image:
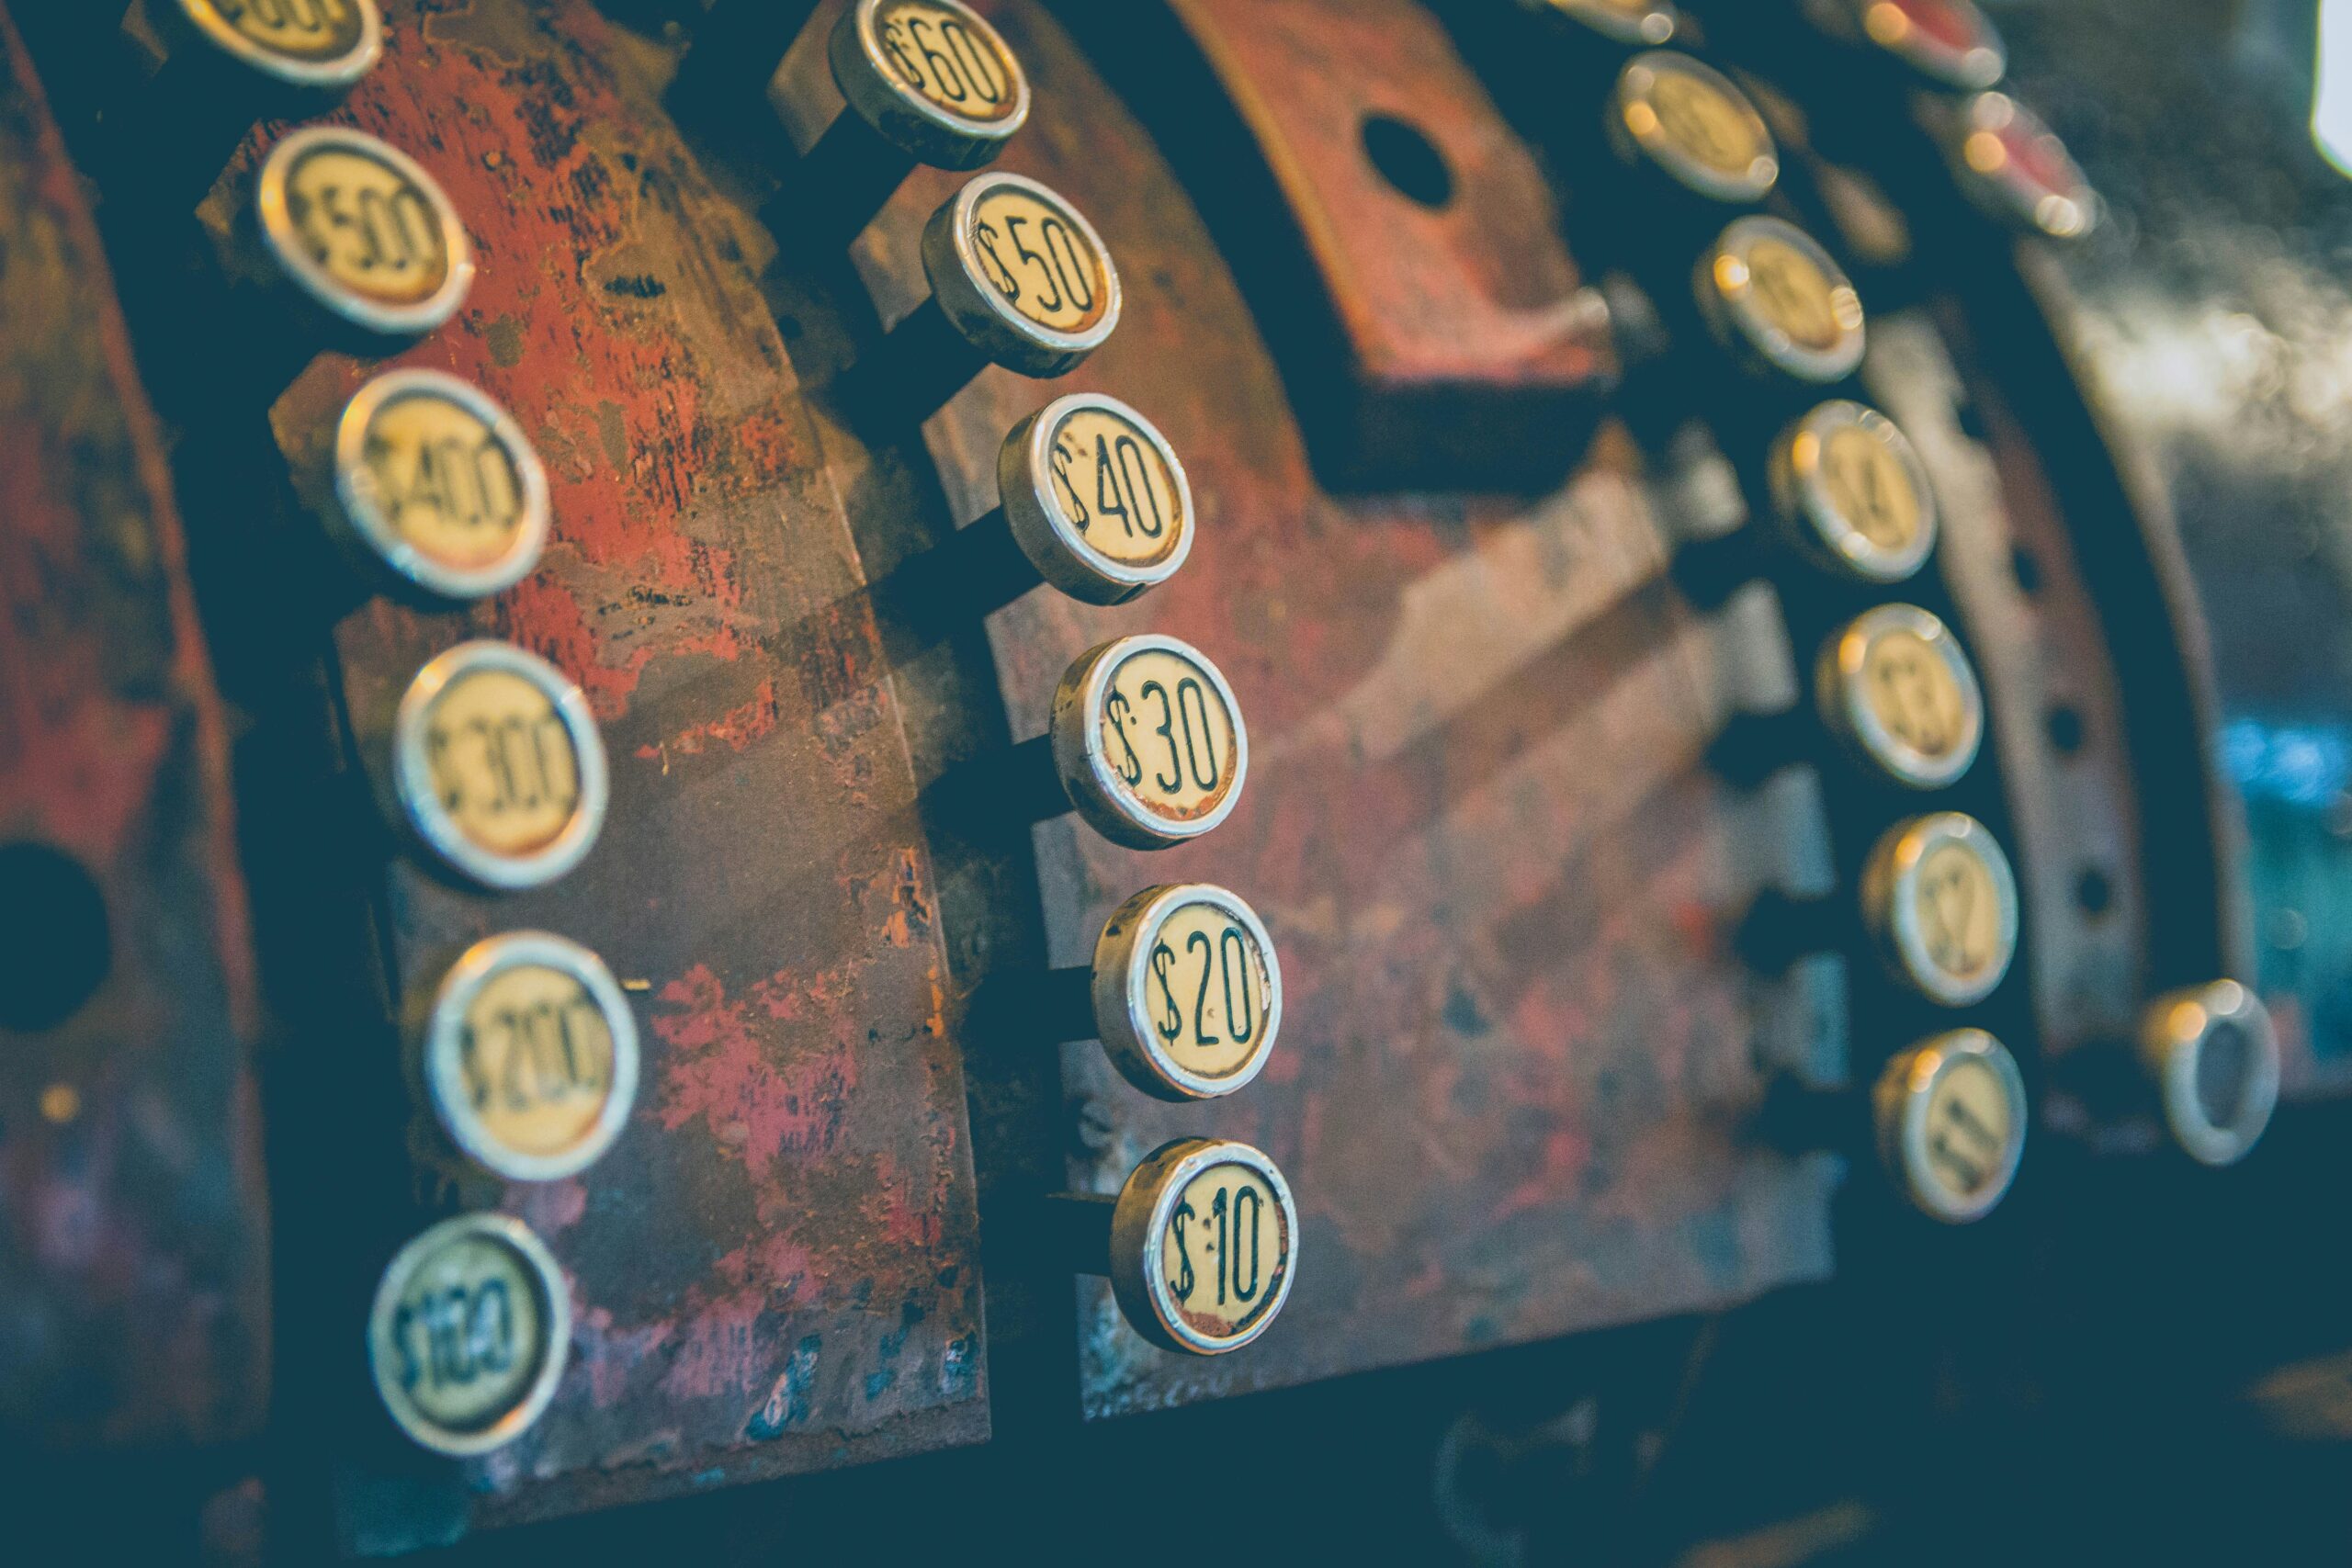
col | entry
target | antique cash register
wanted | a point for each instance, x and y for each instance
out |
(1492, 780)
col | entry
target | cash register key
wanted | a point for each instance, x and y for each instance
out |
(363, 230)
(923, 82)
(932, 78)
(1947, 43)
(1690, 121)
(320, 45)
(1650, 22)
(2213, 1052)
(1018, 279)
(1204, 1245)
(1941, 904)
(2015, 168)
(1187, 992)
(1894, 686)
(497, 767)
(470, 1332)
(436, 484)
(1148, 741)
(1852, 495)
(1951, 1115)
(530, 1057)
(1023, 278)
(1773, 296)
(1096, 499)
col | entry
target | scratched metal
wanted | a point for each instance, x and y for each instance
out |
(1518, 1056)
(1440, 340)
(774, 1269)
(134, 1263)
(2210, 313)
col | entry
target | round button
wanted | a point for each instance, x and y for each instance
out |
(2015, 167)
(1941, 904)
(364, 230)
(498, 765)
(530, 1057)
(1204, 1239)
(470, 1332)
(1853, 494)
(1096, 499)
(1769, 289)
(931, 77)
(326, 44)
(1020, 274)
(1148, 741)
(1952, 43)
(1897, 687)
(1188, 997)
(2214, 1054)
(1951, 1122)
(440, 484)
(1688, 119)
(1624, 21)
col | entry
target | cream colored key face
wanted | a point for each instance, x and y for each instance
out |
(1968, 1125)
(1941, 903)
(1115, 483)
(531, 1056)
(1188, 995)
(1771, 287)
(314, 44)
(1047, 268)
(1626, 21)
(440, 484)
(1689, 120)
(1148, 741)
(499, 766)
(1224, 1249)
(945, 55)
(1854, 494)
(1020, 274)
(931, 77)
(1896, 686)
(1951, 1115)
(1096, 499)
(364, 229)
(469, 1334)
(1204, 1240)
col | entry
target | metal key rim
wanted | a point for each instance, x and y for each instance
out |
(362, 507)
(444, 1072)
(1122, 999)
(928, 132)
(332, 75)
(555, 1317)
(276, 216)
(1062, 555)
(419, 800)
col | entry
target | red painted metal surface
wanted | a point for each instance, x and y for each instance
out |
(774, 1269)
(134, 1223)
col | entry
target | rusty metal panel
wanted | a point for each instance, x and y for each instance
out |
(1396, 240)
(774, 1269)
(1518, 1051)
(134, 1234)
